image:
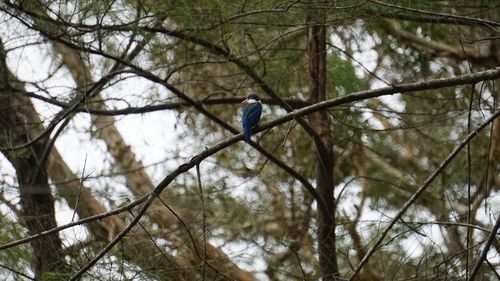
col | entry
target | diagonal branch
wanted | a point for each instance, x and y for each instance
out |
(419, 192)
(485, 250)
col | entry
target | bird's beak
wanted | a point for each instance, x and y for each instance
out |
(245, 101)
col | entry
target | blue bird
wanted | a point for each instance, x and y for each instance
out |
(251, 115)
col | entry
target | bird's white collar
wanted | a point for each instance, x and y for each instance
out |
(252, 101)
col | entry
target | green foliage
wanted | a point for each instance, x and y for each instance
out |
(18, 258)
(343, 79)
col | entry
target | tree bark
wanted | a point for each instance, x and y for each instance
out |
(36, 199)
(320, 122)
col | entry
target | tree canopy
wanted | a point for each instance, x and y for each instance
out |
(376, 157)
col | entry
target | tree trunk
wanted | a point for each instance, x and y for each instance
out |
(36, 200)
(320, 122)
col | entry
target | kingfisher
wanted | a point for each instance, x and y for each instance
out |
(251, 115)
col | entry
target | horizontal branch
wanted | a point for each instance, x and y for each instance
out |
(466, 79)
(295, 103)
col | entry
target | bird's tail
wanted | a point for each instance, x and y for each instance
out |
(247, 132)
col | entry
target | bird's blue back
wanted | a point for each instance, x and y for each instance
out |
(250, 117)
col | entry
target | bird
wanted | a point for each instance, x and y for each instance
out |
(251, 115)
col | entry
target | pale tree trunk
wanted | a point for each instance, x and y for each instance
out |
(320, 122)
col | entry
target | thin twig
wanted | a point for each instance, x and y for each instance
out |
(151, 238)
(287, 133)
(79, 189)
(361, 64)
(304, 274)
(204, 223)
(17, 272)
(487, 186)
(493, 269)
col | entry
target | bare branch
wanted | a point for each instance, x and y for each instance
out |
(204, 222)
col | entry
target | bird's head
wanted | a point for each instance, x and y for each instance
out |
(252, 98)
